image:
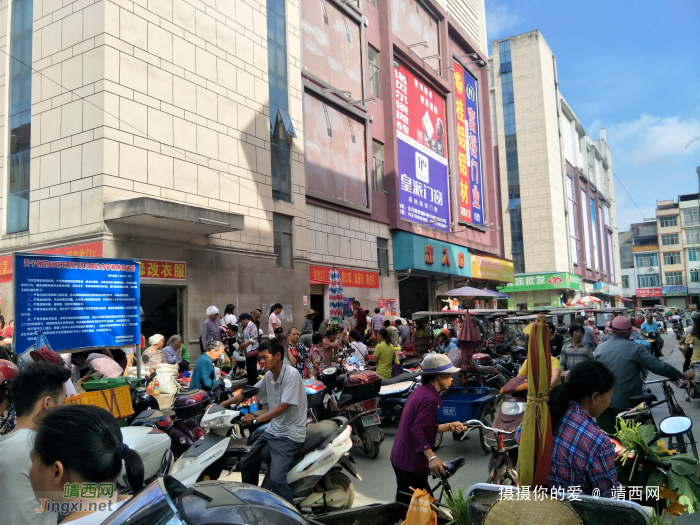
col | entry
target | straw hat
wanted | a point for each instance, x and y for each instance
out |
(311, 312)
(526, 512)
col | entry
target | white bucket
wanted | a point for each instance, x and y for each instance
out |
(167, 376)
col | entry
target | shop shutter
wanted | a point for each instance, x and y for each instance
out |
(317, 289)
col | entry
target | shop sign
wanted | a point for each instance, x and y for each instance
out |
(511, 304)
(554, 299)
(491, 268)
(163, 270)
(602, 287)
(349, 278)
(471, 198)
(421, 253)
(649, 292)
(422, 156)
(674, 290)
(543, 281)
(387, 306)
(495, 303)
(530, 303)
(90, 249)
(347, 306)
(76, 302)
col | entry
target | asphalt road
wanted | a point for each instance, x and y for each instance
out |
(378, 483)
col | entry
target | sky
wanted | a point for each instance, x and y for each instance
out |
(633, 68)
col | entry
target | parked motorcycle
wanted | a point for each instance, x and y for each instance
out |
(393, 395)
(509, 418)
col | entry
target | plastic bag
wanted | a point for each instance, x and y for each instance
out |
(420, 512)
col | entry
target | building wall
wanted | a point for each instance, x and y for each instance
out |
(176, 107)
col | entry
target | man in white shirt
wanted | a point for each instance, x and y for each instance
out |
(35, 390)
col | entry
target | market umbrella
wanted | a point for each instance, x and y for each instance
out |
(536, 436)
(585, 300)
(469, 291)
(335, 292)
(467, 337)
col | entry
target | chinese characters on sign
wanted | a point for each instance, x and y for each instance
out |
(90, 249)
(491, 268)
(76, 302)
(420, 112)
(573, 493)
(544, 281)
(162, 270)
(350, 278)
(649, 292)
(471, 198)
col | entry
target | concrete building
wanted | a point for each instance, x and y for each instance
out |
(560, 223)
(145, 132)
(647, 270)
(671, 254)
(470, 15)
(689, 205)
(380, 134)
(627, 275)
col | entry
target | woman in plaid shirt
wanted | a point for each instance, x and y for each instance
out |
(582, 455)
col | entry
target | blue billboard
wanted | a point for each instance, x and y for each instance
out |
(76, 302)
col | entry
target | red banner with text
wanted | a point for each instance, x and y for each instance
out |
(90, 249)
(349, 278)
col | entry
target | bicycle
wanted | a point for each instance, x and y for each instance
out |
(502, 470)
(642, 413)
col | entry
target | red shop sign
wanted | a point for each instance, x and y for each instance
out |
(649, 292)
(349, 278)
(90, 249)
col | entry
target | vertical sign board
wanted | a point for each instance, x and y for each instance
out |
(470, 180)
(77, 302)
(421, 149)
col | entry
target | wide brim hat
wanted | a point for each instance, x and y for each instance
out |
(311, 312)
(621, 325)
(438, 364)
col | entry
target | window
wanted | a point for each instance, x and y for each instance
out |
(282, 228)
(280, 148)
(692, 236)
(672, 258)
(383, 256)
(643, 260)
(572, 218)
(667, 222)
(648, 280)
(695, 276)
(586, 230)
(673, 278)
(378, 165)
(693, 254)
(20, 115)
(668, 239)
(691, 217)
(625, 281)
(374, 85)
(612, 257)
(372, 2)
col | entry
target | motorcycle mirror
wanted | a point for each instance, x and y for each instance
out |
(675, 425)
(165, 463)
(145, 359)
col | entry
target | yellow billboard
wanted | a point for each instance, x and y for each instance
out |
(491, 268)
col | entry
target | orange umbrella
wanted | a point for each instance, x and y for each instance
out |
(536, 436)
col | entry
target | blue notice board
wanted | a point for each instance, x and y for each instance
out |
(77, 302)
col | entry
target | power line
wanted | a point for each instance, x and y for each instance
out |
(628, 194)
(172, 148)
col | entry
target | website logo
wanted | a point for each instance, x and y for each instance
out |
(422, 171)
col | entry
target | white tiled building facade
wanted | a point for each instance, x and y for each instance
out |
(167, 99)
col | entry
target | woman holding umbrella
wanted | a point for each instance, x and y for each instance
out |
(411, 455)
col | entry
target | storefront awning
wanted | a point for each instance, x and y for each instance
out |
(468, 291)
(147, 212)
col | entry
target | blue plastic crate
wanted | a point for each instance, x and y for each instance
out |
(460, 404)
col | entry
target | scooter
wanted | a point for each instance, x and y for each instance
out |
(393, 395)
(692, 387)
(508, 419)
(656, 342)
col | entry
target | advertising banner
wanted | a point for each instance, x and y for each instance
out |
(511, 304)
(421, 151)
(387, 306)
(649, 292)
(76, 302)
(543, 281)
(347, 306)
(675, 290)
(471, 198)
(349, 278)
(491, 268)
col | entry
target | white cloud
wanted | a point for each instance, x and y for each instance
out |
(499, 18)
(650, 138)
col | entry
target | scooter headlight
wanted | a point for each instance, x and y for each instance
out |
(213, 422)
(512, 408)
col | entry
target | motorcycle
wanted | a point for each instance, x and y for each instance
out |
(655, 342)
(508, 419)
(393, 395)
(692, 386)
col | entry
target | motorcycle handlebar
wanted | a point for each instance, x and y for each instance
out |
(652, 462)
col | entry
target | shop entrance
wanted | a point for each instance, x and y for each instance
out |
(162, 307)
(413, 296)
(317, 305)
(650, 302)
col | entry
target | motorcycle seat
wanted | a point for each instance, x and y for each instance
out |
(406, 376)
(316, 433)
(643, 398)
(345, 399)
(147, 418)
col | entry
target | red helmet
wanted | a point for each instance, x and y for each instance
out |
(8, 370)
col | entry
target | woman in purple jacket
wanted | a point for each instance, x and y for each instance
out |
(412, 456)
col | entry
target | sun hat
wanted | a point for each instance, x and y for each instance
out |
(311, 312)
(621, 325)
(49, 356)
(155, 339)
(438, 364)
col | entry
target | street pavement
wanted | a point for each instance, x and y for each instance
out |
(378, 483)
